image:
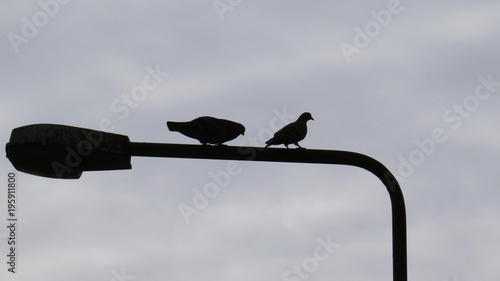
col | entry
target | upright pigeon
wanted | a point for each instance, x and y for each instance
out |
(208, 130)
(292, 133)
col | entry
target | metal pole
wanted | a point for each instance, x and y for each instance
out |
(315, 156)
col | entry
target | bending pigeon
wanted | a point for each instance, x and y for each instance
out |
(208, 130)
(292, 133)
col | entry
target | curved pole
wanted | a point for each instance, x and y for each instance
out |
(300, 156)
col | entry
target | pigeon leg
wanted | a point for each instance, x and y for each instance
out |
(298, 146)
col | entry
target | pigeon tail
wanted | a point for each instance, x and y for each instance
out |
(269, 142)
(174, 126)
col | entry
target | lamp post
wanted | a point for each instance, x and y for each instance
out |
(60, 151)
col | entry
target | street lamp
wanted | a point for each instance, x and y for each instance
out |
(60, 151)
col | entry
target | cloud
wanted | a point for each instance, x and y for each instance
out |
(264, 56)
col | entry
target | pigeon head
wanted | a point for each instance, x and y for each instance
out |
(240, 129)
(235, 129)
(304, 117)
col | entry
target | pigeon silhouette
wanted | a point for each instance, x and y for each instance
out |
(208, 130)
(292, 133)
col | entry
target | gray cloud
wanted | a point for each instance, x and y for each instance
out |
(263, 57)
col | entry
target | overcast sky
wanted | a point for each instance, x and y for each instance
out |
(414, 84)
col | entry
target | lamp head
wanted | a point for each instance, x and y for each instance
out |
(59, 151)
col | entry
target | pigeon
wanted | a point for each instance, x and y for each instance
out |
(291, 133)
(208, 130)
